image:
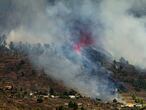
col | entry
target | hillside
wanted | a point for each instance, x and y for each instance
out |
(24, 88)
(130, 80)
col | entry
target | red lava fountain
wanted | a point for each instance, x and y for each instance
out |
(85, 40)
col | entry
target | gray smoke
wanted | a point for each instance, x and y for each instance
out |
(125, 33)
(59, 24)
(116, 26)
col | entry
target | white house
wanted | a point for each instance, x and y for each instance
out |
(72, 96)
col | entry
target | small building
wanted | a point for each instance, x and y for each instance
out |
(80, 104)
(31, 94)
(7, 86)
(46, 96)
(52, 96)
(72, 96)
(139, 105)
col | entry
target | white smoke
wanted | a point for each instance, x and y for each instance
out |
(117, 26)
(125, 33)
(58, 24)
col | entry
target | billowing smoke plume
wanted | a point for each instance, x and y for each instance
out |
(80, 33)
(125, 33)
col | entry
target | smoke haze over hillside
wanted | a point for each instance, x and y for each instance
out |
(113, 27)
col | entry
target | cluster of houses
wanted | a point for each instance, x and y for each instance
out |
(10, 87)
(130, 102)
(33, 94)
(48, 94)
